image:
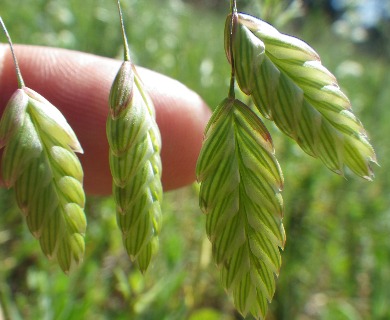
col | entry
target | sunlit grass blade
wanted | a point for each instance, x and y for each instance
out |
(290, 86)
(240, 190)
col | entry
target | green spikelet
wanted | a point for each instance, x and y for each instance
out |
(136, 169)
(39, 161)
(290, 86)
(240, 193)
(135, 163)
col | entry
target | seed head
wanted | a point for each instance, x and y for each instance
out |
(39, 162)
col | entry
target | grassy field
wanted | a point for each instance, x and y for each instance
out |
(337, 256)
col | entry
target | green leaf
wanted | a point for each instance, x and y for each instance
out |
(240, 190)
(135, 165)
(290, 86)
(39, 161)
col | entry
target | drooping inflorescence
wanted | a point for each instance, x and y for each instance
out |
(289, 85)
(240, 190)
(40, 163)
(240, 178)
(135, 163)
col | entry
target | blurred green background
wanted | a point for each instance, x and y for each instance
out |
(336, 264)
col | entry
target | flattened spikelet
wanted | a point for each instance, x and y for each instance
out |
(39, 162)
(240, 190)
(290, 86)
(135, 165)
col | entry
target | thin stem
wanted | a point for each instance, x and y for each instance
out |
(125, 43)
(4, 307)
(233, 8)
(18, 73)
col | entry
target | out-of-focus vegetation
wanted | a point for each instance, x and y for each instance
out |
(336, 264)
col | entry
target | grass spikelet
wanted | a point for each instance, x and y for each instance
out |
(289, 85)
(240, 190)
(40, 164)
(135, 162)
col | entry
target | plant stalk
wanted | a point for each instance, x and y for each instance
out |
(125, 43)
(233, 9)
(4, 307)
(18, 73)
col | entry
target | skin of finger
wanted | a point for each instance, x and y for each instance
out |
(78, 84)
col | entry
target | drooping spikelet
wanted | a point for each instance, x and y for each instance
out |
(240, 190)
(135, 164)
(39, 162)
(289, 85)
